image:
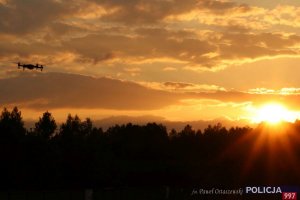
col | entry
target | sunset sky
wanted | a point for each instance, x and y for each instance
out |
(174, 59)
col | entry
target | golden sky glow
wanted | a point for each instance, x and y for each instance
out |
(180, 60)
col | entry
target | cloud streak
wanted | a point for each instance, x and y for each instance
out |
(58, 90)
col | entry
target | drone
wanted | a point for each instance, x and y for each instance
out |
(30, 66)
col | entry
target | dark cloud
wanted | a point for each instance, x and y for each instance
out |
(19, 17)
(183, 45)
(22, 17)
(150, 43)
(97, 47)
(142, 11)
(153, 43)
(54, 28)
(178, 85)
(223, 7)
(10, 48)
(58, 29)
(267, 40)
(234, 46)
(57, 90)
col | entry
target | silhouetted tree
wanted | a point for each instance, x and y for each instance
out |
(46, 126)
(71, 127)
(11, 124)
(217, 129)
(187, 131)
(87, 127)
(198, 133)
(173, 133)
(81, 155)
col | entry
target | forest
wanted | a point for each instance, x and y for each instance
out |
(77, 154)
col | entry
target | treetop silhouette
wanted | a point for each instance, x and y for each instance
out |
(77, 154)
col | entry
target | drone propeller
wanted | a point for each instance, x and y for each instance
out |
(18, 63)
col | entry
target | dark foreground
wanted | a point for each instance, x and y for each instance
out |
(141, 162)
(127, 193)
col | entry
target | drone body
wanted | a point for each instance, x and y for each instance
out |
(30, 66)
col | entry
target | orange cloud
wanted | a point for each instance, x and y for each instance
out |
(91, 36)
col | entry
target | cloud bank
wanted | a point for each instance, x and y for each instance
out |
(57, 90)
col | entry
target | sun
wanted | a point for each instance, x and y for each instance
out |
(273, 113)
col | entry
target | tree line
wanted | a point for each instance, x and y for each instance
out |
(78, 154)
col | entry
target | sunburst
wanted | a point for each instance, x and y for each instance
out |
(273, 113)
